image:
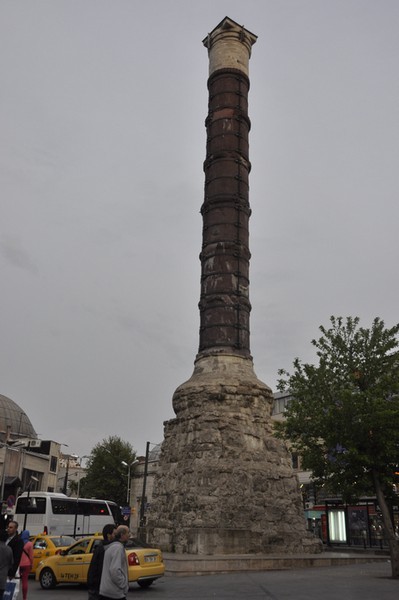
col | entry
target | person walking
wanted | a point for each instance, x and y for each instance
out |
(6, 560)
(96, 564)
(114, 583)
(26, 562)
(16, 544)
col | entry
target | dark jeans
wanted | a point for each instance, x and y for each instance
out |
(93, 595)
(108, 598)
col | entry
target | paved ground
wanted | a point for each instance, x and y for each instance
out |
(370, 581)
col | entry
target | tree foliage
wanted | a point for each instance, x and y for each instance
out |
(106, 476)
(74, 486)
(343, 418)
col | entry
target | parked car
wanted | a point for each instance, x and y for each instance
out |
(145, 564)
(48, 545)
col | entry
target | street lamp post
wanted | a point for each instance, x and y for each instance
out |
(142, 505)
(65, 482)
(3, 477)
(79, 472)
(77, 495)
(65, 486)
(129, 467)
(32, 479)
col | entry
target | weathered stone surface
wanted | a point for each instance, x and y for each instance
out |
(225, 484)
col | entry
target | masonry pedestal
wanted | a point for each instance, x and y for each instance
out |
(226, 485)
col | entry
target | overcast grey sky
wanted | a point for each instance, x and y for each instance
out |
(102, 140)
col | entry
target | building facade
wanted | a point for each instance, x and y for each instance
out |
(26, 462)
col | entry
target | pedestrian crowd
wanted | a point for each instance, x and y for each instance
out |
(16, 559)
(107, 578)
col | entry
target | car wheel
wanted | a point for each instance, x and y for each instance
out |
(146, 583)
(47, 579)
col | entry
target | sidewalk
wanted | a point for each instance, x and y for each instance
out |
(188, 564)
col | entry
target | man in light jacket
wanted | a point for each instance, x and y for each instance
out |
(114, 583)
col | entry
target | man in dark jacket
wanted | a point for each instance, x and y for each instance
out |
(16, 544)
(96, 565)
(6, 560)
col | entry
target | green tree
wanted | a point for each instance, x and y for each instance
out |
(343, 418)
(106, 475)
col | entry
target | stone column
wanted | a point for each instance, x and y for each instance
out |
(225, 483)
(224, 303)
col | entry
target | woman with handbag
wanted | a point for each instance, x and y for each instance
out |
(25, 565)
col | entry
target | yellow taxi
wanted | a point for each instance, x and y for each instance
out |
(145, 564)
(48, 545)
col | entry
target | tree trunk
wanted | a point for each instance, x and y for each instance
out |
(393, 543)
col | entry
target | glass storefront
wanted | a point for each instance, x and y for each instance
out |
(359, 525)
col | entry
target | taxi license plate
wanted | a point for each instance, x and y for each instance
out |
(150, 559)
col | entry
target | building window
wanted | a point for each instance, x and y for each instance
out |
(280, 404)
(27, 481)
(53, 464)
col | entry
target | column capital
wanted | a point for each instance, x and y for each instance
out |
(229, 46)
